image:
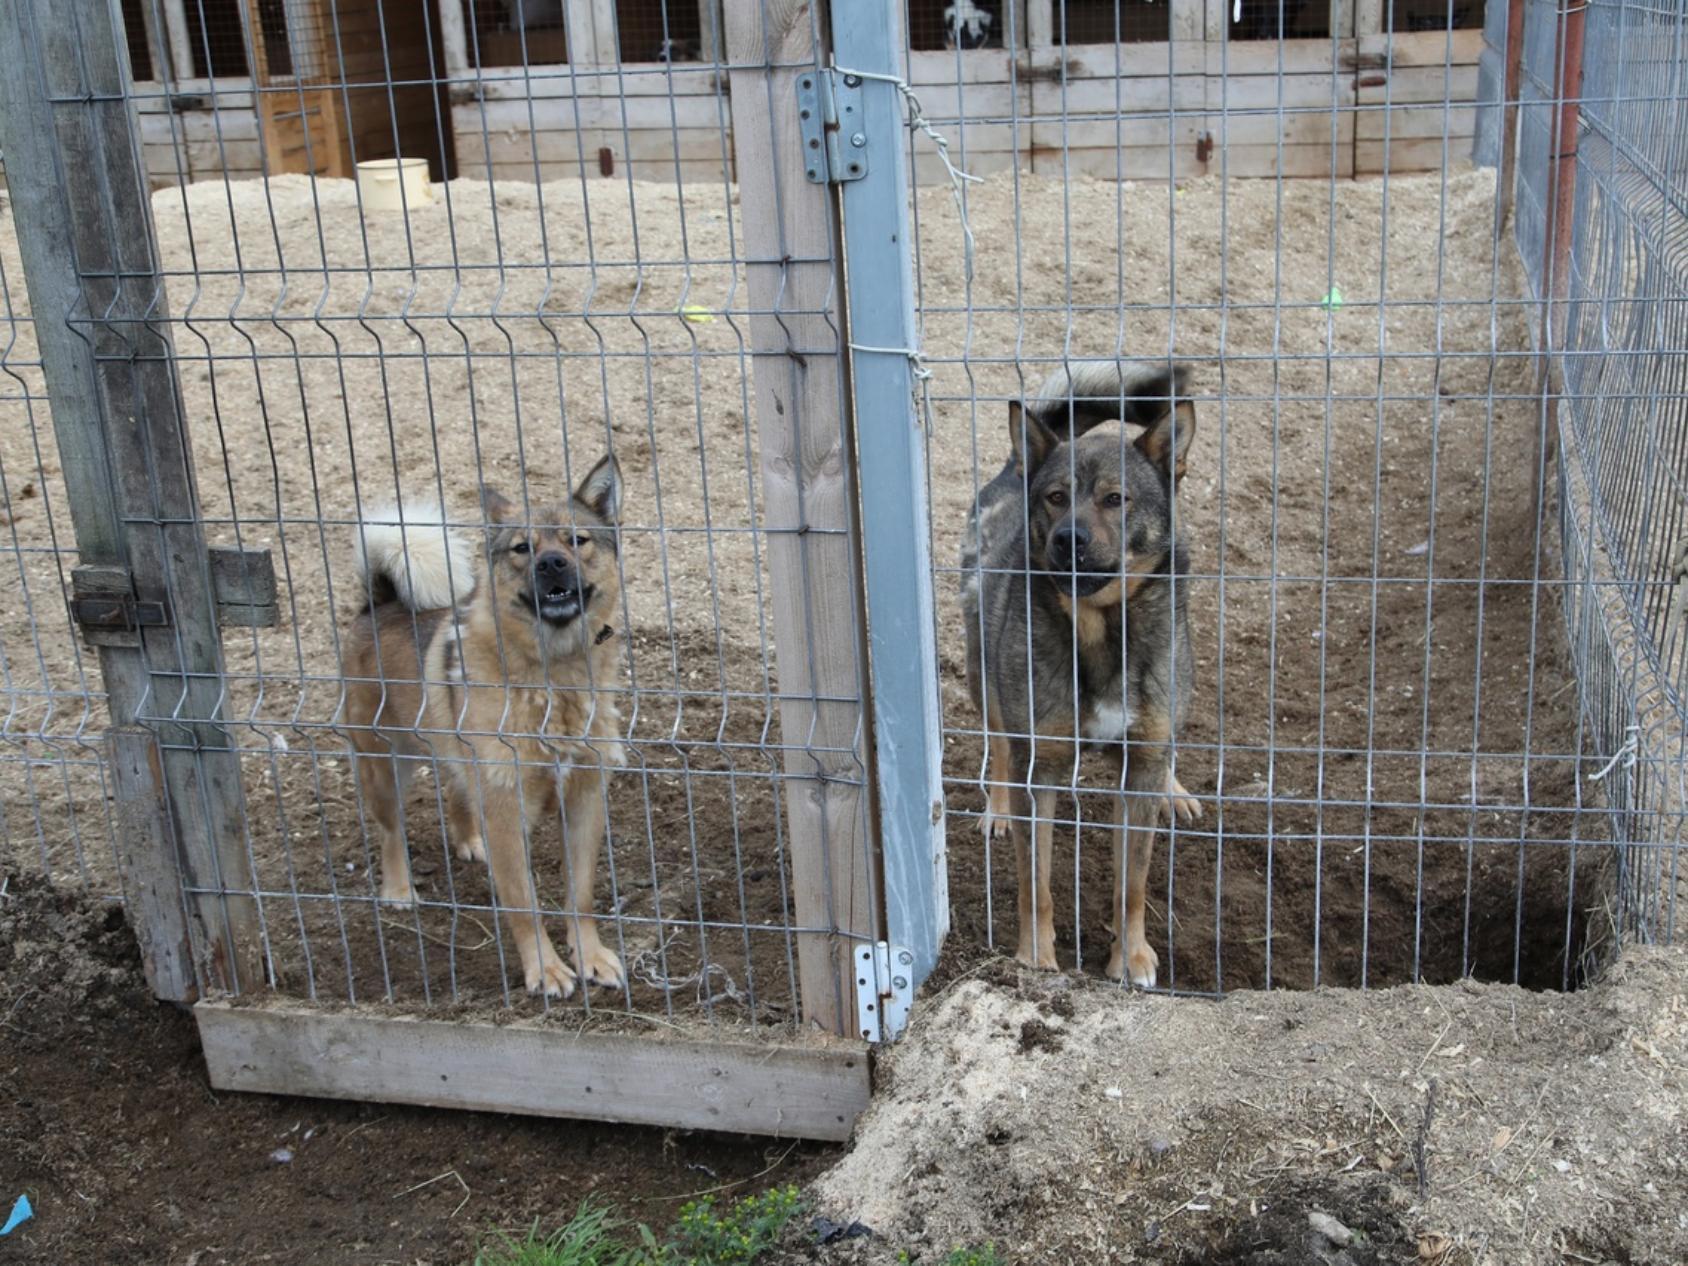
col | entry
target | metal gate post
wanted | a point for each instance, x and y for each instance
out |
(891, 461)
(144, 590)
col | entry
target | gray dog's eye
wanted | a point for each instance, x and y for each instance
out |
(1113, 501)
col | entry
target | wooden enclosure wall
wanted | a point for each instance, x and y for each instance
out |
(1195, 105)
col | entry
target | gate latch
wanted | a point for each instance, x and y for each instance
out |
(884, 991)
(103, 602)
(829, 117)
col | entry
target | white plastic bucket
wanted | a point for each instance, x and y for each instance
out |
(381, 180)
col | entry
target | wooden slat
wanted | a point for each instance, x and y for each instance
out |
(808, 1091)
(1264, 57)
(1409, 123)
(1153, 60)
(1426, 154)
(146, 863)
(968, 66)
(1313, 161)
(1417, 84)
(1142, 163)
(789, 227)
(1425, 48)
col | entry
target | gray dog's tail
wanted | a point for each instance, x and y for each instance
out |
(1094, 391)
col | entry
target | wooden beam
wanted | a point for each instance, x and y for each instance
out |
(790, 232)
(454, 37)
(814, 1090)
(180, 40)
(83, 211)
(146, 863)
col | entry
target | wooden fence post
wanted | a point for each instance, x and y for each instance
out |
(84, 223)
(791, 235)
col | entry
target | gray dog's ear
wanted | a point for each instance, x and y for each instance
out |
(600, 491)
(1032, 440)
(496, 506)
(1166, 442)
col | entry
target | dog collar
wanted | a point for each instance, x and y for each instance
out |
(604, 635)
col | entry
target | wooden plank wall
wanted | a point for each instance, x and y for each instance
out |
(1138, 111)
(201, 143)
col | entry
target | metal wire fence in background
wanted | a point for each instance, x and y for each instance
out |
(1405, 770)
(1619, 344)
(54, 813)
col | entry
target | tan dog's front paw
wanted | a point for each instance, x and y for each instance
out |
(1141, 963)
(550, 975)
(1042, 956)
(1180, 803)
(996, 825)
(397, 892)
(472, 849)
(599, 965)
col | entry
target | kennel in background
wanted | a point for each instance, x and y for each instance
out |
(1400, 450)
(1100, 87)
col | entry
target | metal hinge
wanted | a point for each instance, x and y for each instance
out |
(884, 991)
(829, 116)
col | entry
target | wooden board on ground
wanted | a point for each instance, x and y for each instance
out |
(815, 1090)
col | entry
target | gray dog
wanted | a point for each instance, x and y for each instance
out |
(1076, 634)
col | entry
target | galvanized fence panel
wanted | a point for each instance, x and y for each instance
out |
(1618, 342)
(55, 820)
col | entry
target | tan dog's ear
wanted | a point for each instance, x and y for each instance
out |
(600, 491)
(1032, 440)
(496, 506)
(1167, 440)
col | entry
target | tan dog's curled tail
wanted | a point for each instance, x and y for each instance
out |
(409, 554)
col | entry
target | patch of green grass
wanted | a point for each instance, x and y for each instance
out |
(703, 1236)
(588, 1239)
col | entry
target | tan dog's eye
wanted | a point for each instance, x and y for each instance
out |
(1113, 501)
(1057, 497)
(520, 547)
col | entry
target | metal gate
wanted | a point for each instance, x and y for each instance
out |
(208, 593)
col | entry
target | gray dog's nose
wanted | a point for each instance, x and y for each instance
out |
(1069, 545)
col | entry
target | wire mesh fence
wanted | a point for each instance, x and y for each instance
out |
(54, 816)
(1352, 743)
(1617, 341)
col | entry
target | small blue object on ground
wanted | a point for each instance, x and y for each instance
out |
(21, 1213)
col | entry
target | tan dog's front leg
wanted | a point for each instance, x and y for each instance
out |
(999, 799)
(383, 801)
(583, 840)
(1033, 853)
(513, 890)
(1135, 817)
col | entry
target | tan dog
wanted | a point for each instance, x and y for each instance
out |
(508, 688)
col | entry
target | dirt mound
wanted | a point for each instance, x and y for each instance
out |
(1462, 1124)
